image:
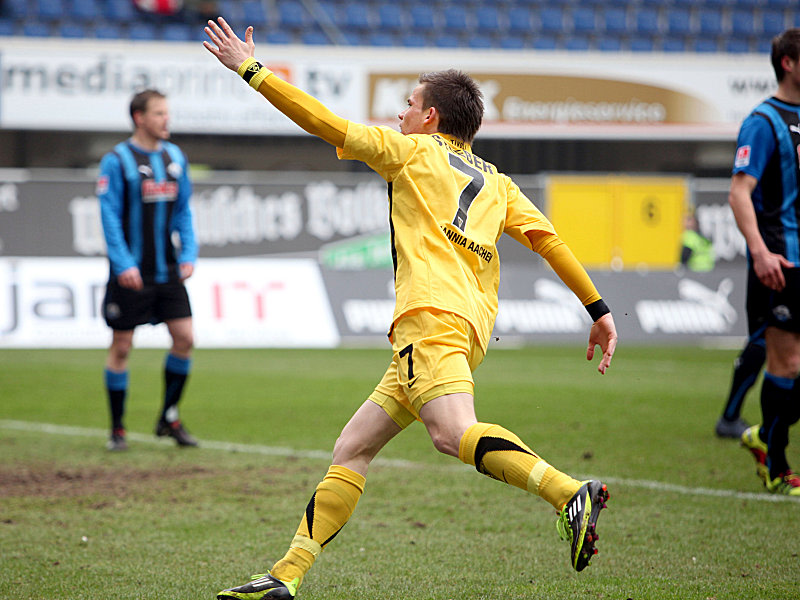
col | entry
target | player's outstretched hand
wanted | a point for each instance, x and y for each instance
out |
(603, 334)
(226, 46)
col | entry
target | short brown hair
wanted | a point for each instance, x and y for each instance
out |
(140, 100)
(785, 44)
(457, 98)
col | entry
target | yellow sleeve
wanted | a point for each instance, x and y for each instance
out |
(305, 110)
(563, 261)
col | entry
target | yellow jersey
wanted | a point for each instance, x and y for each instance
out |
(448, 208)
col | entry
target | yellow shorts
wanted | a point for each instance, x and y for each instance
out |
(434, 354)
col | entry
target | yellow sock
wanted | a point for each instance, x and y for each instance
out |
(327, 512)
(499, 454)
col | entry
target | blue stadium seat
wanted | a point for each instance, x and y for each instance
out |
(231, 10)
(641, 44)
(512, 41)
(609, 44)
(85, 10)
(764, 46)
(487, 18)
(7, 28)
(120, 11)
(390, 17)
(705, 45)
(16, 9)
(253, 13)
(36, 29)
(413, 40)
(292, 14)
(670, 44)
(679, 21)
(355, 16)
(519, 19)
(72, 30)
(742, 22)
(50, 11)
(143, 31)
(279, 36)
(355, 38)
(176, 32)
(737, 46)
(446, 40)
(614, 19)
(108, 31)
(423, 17)
(584, 19)
(577, 43)
(455, 18)
(646, 19)
(314, 37)
(772, 22)
(710, 21)
(480, 42)
(544, 42)
(551, 19)
(382, 39)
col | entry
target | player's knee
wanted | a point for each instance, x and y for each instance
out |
(444, 442)
(120, 349)
(183, 343)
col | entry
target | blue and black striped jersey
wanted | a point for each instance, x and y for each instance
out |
(768, 149)
(144, 199)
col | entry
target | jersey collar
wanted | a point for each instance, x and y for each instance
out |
(455, 142)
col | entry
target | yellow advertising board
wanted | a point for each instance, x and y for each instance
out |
(620, 222)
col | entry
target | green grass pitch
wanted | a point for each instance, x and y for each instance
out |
(687, 518)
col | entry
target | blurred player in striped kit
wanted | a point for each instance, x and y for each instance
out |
(764, 198)
(144, 192)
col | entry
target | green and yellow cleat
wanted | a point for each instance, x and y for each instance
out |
(262, 587)
(752, 441)
(787, 483)
(577, 521)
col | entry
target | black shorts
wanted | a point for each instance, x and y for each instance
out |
(124, 308)
(758, 299)
(784, 306)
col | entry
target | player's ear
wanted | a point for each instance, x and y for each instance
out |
(787, 62)
(432, 115)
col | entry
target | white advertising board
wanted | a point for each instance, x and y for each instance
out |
(87, 85)
(252, 302)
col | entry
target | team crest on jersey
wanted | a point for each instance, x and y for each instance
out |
(742, 156)
(102, 185)
(175, 170)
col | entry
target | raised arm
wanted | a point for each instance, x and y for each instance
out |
(305, 110)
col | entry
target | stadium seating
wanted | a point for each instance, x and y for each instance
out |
(726, 26)
(86, 11)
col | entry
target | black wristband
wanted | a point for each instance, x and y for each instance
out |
(252, 70)
(597, 309)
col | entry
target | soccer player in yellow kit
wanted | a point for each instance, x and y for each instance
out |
(448, 208)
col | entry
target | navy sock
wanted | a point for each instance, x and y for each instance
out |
(745, 372)
(777, 410)
(176, 371)
(117, 389)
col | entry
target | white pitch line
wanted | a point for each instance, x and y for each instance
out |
(660, 486)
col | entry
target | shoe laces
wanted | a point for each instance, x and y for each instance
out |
(563, 527)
